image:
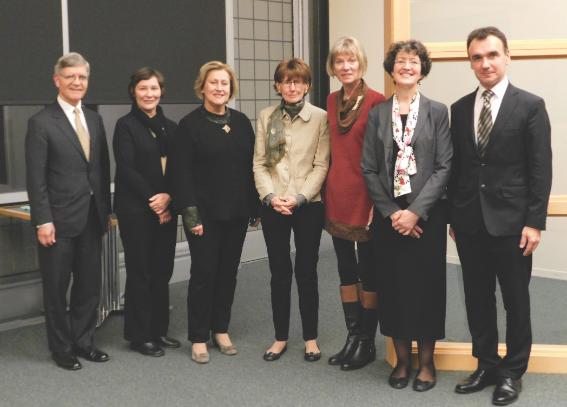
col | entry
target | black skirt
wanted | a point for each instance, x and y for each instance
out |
(411, 277)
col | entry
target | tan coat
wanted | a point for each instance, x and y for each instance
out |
(304, 166)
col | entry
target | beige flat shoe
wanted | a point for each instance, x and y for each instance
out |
(229, 350)
(201, 358)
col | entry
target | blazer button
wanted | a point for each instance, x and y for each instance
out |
(483, 164)
(483, 186)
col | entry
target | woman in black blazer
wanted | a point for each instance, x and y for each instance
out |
(213, 188)
(141, 202)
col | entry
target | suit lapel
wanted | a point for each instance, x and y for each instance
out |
(507, 106)
(387, 135)
(422, 116)
(63, 123)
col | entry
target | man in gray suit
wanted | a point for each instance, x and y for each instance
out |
(499, 191)
(68, 183)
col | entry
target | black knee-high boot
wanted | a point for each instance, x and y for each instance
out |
(352, 311)
(364, 351)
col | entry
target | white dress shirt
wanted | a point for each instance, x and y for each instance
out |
(499, 90)
(69, 111)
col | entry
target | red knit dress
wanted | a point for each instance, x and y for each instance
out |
(347, 203)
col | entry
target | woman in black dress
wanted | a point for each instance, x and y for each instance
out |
(213, 188)
(141, 202)
(406, 164)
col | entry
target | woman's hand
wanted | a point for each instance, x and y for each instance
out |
(164, 217)
(198, 230)
(406, 222)
(159, 202)
(280, 205)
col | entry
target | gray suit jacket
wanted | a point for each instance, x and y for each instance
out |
(433, 152)
(58, 176)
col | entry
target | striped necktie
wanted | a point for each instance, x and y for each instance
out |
(484, 122)
(82, 133)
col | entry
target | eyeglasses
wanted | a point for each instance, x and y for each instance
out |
(412, 62)
(296, 83)
(73, 78)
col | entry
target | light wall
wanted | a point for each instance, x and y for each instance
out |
(364, 20)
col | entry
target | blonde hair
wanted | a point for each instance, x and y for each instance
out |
(350, 46)
(215, 66)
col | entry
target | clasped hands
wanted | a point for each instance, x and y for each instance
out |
(159, 203)
(405, 223)
(284, 204)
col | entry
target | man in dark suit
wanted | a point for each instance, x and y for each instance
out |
(68, 183)
(499, 192)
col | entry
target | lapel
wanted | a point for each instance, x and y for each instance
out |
(66, 129)
(422, 116)
(387, 134)
(507, 106)
(467, 123)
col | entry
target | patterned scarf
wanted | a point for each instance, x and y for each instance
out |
(348, 110)
(405, 161)
(275, 147)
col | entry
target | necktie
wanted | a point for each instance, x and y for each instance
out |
(484, 122)
(82, 133)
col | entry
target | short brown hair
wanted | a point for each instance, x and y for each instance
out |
(215, 66)
(483, 32)
(350, 46)
(143, 74)
(293, 68)
(411, 47)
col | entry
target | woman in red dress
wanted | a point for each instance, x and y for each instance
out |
(348, 207)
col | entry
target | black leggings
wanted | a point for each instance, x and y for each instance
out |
(353, 270)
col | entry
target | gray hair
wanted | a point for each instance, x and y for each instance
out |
(71, 59)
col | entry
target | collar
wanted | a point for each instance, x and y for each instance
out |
(305, 113)
(67, 107)
(499, 89)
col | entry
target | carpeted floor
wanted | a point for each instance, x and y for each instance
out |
(29, 378)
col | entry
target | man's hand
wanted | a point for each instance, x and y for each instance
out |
(46, 235)
(198, 230)
(164, 217)
(158, 203)
(530, 240)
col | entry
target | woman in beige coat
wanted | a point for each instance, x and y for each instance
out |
(291, 160)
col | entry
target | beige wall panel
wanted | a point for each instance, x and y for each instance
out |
(452, 20)
(362, 19)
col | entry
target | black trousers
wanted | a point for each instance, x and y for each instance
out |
(484, 258)
(79, 256)
(307, 225)
(215, 257)
(355, 264)
(149, 251)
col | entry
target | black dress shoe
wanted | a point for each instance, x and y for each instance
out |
(168, 342)
(271, 356)
(364, 353)
(399, 382)
(507, 391)
(147, 348)
(477, 381)
(312, 356)
(92, 354)
(424, 385)
(66, 360)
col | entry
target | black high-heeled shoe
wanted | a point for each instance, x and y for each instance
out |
(399, 382)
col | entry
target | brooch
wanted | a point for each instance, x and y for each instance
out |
(226, 128)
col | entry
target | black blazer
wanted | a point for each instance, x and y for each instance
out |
(212, 169)
(139, 174)
(58, 176)
(508, 188)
